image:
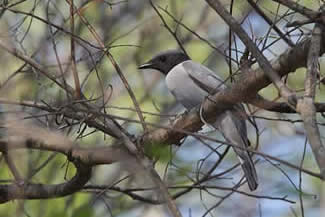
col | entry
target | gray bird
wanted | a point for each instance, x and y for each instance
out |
(191, 83)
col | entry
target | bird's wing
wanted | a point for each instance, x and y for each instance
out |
(233, 128)
(231, 123)
(203, 77)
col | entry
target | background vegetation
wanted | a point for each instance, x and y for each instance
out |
(85, 133)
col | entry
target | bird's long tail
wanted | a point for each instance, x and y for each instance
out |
(233, 128)
(250, 172)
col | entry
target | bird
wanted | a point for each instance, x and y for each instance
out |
(190, 83)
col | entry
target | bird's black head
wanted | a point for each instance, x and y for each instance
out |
(165, 61)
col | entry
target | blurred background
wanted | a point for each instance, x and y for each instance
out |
(134, 31)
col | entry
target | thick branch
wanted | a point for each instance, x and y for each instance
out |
(87, 156)
(25, 190)
(280, 107)
(40, 191)
(20, 136)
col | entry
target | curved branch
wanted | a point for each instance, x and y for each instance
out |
(42, 191)
(25, 190)
(83, 159)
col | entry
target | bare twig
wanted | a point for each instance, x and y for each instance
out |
(72, 51)
(300, 181)
(299, 8)
(173, 33)
(272, 25)
(285, 92)
(116, 66)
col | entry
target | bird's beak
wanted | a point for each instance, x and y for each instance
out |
(146, 66)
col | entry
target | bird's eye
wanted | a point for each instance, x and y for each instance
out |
(162, 58)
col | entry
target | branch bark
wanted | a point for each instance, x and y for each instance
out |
(27, 190)
(306, 105)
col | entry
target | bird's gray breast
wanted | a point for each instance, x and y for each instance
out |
(191, 82)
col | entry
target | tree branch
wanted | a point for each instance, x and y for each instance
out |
(306, 105)
(26, 190)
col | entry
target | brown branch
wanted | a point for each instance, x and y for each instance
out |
(280, 107)
(11, 165)
(272, 106)
(87, 156)
(130, 192)
(26, 190)
(306, 105)
(72, 51)
(21, 136)
(234, 189)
